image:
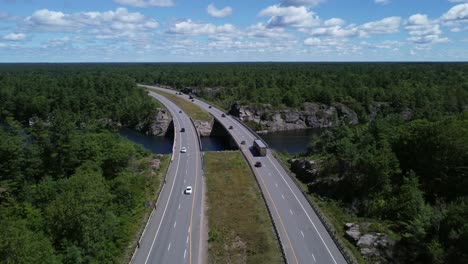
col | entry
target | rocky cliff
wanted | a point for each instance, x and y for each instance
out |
(204, 127)
(156, 124)
(265, 118)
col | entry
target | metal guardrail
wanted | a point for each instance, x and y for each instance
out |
(328, 226)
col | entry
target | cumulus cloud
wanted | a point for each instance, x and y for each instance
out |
(312, 41)
(224, 12)
(333, 28)
(301, 2)
(259, 30)
(333, 22)
(382, 2)
(422, 30)
(290, 16)
(385, 26)
(189, 27)
(335, 31)
(15, 37)
(146, 3)
(458, 13)
(111, 23)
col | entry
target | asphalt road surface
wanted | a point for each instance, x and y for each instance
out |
(174, 231)
(302, 234)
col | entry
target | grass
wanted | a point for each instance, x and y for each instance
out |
(195, 112)
(240, 229)
(152, 186)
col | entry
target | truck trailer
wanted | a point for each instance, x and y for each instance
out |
(260, 147)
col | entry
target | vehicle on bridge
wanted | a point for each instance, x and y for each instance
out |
(260, 147)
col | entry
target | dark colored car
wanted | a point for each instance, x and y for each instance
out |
(223, 115)
(209, 106)
(180, 111)
(230, 127)
(192, 100)
(183, 129)
(243, 142)
(258, 164)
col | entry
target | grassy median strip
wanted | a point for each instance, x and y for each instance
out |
(240, 230)
(191, 109)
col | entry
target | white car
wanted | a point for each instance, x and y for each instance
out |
(183, 150)
(188, 190)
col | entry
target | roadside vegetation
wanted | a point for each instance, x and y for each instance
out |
(240, 230)
(71, 189)
(404, 179)
(190, 109)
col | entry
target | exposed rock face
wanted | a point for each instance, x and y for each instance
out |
(204, 127)
(157, 124)
(375, 247)
(306, 170)
(312, 115)
(352, 233)
(155, 164)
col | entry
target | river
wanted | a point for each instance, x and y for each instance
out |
(292, 142)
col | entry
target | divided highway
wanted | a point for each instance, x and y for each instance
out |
(302, 234)
(174, 231)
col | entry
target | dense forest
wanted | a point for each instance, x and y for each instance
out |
(431, 89)
(71, 189)
(408, 176)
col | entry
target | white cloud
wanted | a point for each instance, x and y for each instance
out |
(50, 20)
(382, 2)
(335, 31)
(189, 27)
(224, 12)
(301, 2)
(15, 37)
(333, 22)
(458, 12)
(110, 23)
(423, 31)
(334, 28)
(146, 3)
(290, 16)
(385, 26)
(259, 30)
(312, 41)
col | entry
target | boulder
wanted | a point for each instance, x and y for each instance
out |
(352, 232)
(155, 164)
(306, 170)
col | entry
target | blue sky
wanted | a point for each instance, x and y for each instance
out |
(240, 30)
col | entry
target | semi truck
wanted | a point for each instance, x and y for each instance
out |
(260, 147)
